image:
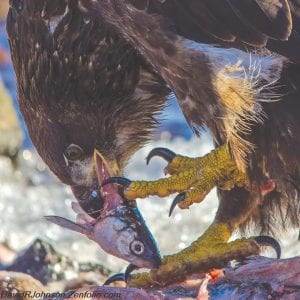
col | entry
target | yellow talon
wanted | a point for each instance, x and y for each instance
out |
(195, 176)
(211, 250)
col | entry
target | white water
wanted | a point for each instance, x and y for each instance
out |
(30, 192)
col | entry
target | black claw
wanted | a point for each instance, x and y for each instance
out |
(114, 278)
(119, 180)
(265, 240)
(121, 276)
(129, 270)
(165, 153)
(179, 198)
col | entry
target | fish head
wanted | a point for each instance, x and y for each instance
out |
(121, 232)
(124, 234)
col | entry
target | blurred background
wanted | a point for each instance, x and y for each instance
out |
(28, 191)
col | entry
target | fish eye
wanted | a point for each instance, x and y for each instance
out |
(73, 153)
(137, 247)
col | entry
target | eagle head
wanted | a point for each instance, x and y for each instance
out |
(81, 88)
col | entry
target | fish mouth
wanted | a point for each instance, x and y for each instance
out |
(89, 198)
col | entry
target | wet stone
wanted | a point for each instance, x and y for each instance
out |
(44, 263)
(14, 285)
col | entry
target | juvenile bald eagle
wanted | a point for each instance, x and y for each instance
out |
(93, 74)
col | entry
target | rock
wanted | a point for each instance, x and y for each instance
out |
(4, 5)
(11, 135)
(99, 293)
(260, 278)
(7, 255)
(256, 278)
(44, 263)
(20, 286)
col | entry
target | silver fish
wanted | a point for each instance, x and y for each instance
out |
(122, 232)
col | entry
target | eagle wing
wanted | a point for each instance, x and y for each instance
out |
(274, 24)
(251, 22)
(159, 29)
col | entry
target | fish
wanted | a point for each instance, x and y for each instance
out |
(122, 233)
(120, 230)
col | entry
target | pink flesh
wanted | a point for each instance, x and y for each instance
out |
(110, 193)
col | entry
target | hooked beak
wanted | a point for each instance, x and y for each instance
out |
(104, 170)
(111, 167)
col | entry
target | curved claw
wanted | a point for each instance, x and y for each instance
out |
(265, 240)
(165, 153)
(130, 268)
(179, 198)
(119, 180)
(114, 278)
(121, 276)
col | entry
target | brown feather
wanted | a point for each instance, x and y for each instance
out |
(96, 73)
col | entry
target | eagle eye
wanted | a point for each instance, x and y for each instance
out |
(73, 153)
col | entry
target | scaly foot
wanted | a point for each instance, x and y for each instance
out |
(193, 178)
(210, 251)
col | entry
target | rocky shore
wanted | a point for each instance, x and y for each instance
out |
(40, 272)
